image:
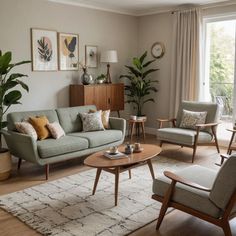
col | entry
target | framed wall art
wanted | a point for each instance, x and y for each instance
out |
(68, 51)
(91, 56)
(44, 50)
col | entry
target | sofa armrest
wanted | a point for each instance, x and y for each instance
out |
(22, 146)
(118, 123)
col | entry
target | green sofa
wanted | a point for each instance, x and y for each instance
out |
(74, 144)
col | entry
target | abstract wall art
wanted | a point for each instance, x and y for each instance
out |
(44, 50)
(68, 51)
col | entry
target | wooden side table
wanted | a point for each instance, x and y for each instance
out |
(136, 124)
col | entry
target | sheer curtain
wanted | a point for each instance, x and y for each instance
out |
(185, 71)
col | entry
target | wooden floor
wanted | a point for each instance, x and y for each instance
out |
(175, 223)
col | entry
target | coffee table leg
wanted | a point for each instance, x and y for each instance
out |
(99, 170)
(117, 173)
(149, 162)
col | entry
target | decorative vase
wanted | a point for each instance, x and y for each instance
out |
(5, 165)
(86, 78)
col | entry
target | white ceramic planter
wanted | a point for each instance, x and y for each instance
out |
(5, 165)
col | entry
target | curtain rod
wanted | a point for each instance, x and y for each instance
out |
(204, 7)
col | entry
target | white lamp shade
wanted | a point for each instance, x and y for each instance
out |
(109, 56)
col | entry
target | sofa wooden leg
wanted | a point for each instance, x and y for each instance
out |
(19, 163)
(47, 171)
(130, 174)
(161, 143)
(194, 152)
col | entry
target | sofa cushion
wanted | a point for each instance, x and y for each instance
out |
(196, 199)
(53, 147)
(69, 117)
(24, 115)
(182, 136)
(99, 138)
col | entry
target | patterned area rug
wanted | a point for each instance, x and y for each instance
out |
(65, 207)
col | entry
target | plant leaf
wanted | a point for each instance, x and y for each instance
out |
(12, 98)
(143, 57)
(148, 72)
(5, 60)
(148, 63)
(16, 75)
(3, 124)
(23, 85)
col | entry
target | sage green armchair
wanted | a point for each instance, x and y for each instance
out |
(200, 192)
(203, 134)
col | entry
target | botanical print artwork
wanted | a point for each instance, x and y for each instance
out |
(91, 56)
(44, 50)
(68, 49)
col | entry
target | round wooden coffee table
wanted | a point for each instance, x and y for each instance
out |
(99, 161)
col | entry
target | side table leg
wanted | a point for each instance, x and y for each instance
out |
(149, 162)
(230, 143)
(143, 131)
(99, 170)
(117, 173)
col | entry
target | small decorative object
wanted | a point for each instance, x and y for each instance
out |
(113, 150)
(133, 117)
(91, 56)
(100, 79)
(129, 149)
(44, 50)
(68, 51)
(158, 50)
(140, 86)
(10, 96)
(108, 57)
(137, 147)
(85, 77)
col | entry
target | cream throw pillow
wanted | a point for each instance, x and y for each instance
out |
(56, 130)
(105, 117)
(92, 121)
(191, 118)
(26, 128)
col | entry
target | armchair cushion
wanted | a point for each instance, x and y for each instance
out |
(225, 183)
(191, 118)
(182, 136)
(196, 199)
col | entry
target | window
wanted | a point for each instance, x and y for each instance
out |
(218, 84)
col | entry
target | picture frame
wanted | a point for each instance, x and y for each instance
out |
(91, 56)
(68, 50)
(44, 50)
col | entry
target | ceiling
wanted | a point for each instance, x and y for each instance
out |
(136, 7)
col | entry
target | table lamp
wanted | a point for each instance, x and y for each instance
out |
(108, 57)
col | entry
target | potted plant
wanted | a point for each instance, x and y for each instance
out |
(8, 96)
(100, 79)
(141, 85)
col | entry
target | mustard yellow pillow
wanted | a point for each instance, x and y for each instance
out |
(40, 126)
(105, 117)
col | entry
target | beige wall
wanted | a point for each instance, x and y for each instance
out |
(157, 28)
(104, 29)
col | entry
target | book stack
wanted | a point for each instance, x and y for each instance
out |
(116, 155)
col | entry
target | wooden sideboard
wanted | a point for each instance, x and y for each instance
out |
(104, 96)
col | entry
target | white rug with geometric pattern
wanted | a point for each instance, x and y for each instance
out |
(65, 207)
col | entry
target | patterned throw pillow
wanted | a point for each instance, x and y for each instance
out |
(56, 130)
(191, 118)
(26, 128)
(92, 121)
(105, 117)
(40, 125)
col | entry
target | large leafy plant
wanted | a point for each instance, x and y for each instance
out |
(141, 85)
(8, 81)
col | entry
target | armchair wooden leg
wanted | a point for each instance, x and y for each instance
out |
(161, 143)
(194, 152)
(216, 140)
(165, 204)
(226, 229)
(47, 171)
(19, 164)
